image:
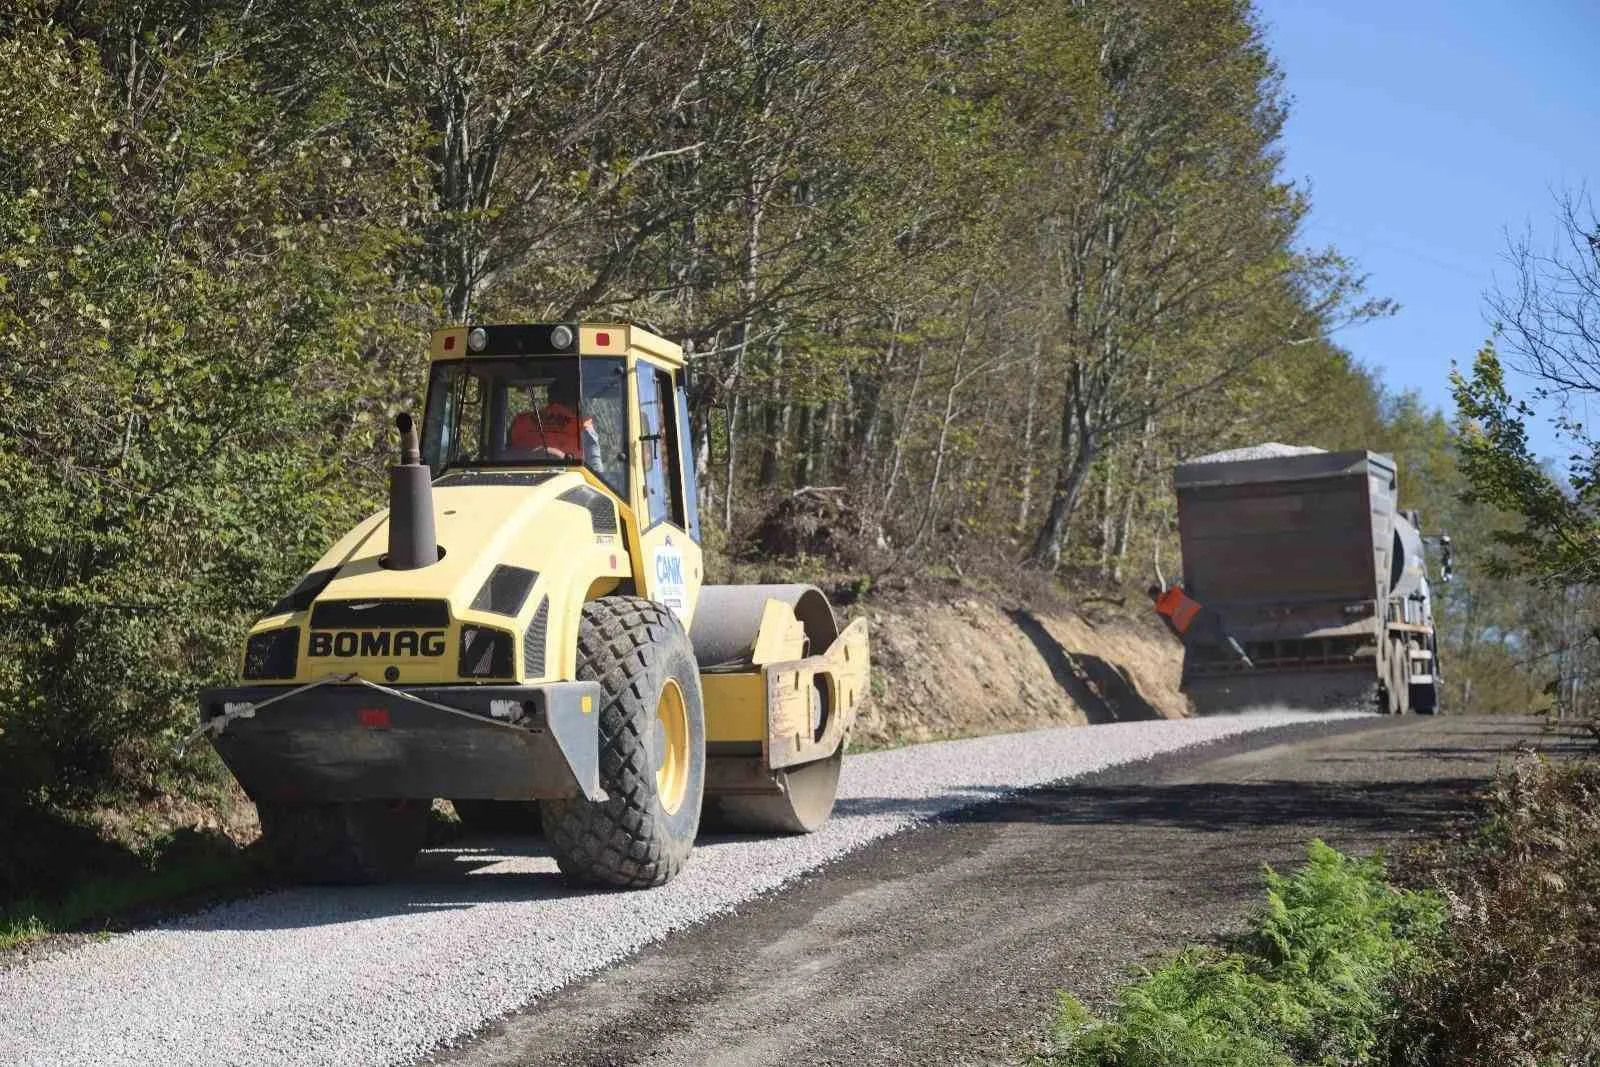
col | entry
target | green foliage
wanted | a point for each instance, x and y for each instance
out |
(166, 869)
(1557, 540)
(1491, 958)
(1520, 980)
(195, 282)
(1312, 982)
(1203, 1009)
(1496, 634)
(1546, 313)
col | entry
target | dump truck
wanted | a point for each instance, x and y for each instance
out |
(1314, 571)
(526, 624)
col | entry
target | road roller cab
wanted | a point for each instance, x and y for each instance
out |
(526, 622)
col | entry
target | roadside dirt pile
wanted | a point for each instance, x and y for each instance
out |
(974, 663)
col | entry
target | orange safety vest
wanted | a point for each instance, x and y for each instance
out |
(560, 431)
(1178, 608)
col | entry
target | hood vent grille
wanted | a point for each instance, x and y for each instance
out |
(505, 590)
(533, 641)
(602, 512)
(522, 478)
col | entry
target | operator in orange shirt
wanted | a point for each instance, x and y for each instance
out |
(554, 431)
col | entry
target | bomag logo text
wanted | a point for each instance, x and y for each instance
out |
(349, 644)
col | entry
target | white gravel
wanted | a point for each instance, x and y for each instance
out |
(1267, 450)
(382, 975)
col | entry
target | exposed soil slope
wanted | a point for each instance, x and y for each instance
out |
(973, 664)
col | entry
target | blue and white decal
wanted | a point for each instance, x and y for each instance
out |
(666, 568)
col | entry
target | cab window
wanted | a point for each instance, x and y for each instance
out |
(527, 413)
(605, 406)
(691, 491)
(658, 448)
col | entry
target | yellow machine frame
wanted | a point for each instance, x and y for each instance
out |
(769, 702)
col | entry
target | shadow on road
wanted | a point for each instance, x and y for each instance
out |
(458, 876)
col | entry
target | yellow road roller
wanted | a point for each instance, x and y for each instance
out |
(525, 626)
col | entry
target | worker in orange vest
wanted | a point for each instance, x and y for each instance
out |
(555, 431)
(1192, 622)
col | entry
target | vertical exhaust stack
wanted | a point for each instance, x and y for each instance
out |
(412, 541)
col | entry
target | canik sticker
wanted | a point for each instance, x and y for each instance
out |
(670, 588)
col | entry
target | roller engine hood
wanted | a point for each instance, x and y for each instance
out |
(550, 532)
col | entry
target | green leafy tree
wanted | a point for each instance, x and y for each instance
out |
(195, 283)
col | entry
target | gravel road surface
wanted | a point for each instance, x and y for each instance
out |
(946, 944)
(384, 975)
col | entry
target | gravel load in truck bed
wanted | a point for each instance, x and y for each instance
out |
(381, 975)
(1269, 450)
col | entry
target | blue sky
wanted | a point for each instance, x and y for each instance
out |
(1424, 131)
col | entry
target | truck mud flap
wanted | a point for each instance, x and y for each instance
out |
(359, 742)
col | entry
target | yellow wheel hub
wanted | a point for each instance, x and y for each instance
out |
(672, 772)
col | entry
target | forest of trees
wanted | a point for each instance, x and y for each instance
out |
(961, 281)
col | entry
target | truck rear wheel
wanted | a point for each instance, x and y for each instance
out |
(652, 750)
(356, 842)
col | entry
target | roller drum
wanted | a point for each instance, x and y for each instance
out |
(728, 617)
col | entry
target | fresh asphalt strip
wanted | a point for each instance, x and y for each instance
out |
(381, 975)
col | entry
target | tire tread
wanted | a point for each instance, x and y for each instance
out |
(624, 841)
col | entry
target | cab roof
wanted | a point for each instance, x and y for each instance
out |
(535, 339)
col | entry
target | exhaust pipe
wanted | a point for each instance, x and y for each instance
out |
(412, 541)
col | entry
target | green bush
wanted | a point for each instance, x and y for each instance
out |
(194, 289)
(1311, 982)
(1520, 980)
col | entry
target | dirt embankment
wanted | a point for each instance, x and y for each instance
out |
(975, 664)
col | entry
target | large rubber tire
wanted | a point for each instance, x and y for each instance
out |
(359, 842)
(498, 816)
(635, 649)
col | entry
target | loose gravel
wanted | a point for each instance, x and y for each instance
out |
(382, 975)
(1269, 450)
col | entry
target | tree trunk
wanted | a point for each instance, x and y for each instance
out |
(1107, 515)
(1026, 493)
(901, 430)
(1079, 449)
(729, 473)
(802, 446)
(775, 422)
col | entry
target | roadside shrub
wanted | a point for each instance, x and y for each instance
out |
(1311, 982)
(196, 294)
(1520, 982)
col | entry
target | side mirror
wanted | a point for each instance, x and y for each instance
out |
(1446, 559)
